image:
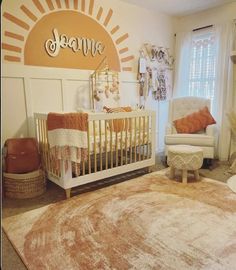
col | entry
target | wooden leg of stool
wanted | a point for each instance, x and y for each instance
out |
(196, 174)
(184, 176)
(68, 193)
(172, 172)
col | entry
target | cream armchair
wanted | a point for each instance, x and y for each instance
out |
(206, 139)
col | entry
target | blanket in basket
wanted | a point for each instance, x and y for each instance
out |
(67, 136)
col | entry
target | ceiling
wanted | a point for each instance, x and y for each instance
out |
(178, 8)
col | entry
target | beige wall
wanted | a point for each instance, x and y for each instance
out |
(28, 89)
(212, 16)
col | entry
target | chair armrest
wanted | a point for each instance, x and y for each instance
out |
(168, 129)
(211, 130)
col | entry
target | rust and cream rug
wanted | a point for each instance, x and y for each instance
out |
(146, 223)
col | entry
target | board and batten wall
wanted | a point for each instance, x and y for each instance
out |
(28, 89)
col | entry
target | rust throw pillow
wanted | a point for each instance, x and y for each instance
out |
(118, 125)
(117, 109)
(194, 122)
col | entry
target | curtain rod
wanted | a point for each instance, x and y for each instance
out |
(200, 28)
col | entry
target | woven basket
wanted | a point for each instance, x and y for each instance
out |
(22, 186)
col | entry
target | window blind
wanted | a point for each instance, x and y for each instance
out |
(202, 73)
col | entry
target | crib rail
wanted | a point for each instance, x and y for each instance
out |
(110, 151)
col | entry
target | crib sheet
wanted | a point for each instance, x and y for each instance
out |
(119, 141)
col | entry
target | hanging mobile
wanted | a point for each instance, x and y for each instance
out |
(95, 96)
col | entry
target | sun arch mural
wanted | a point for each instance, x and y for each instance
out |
(65, 35)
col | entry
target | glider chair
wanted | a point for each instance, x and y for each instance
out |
(190, 123)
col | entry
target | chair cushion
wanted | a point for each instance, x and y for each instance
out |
(194, 122)
(190, 139)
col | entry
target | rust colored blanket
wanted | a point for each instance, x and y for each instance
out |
(77, 121)
(67, 135)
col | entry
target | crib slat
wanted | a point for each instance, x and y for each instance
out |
(111, 150)
(95, 147)
(48, 148)
(106, 154)
(44, 143)
(139, 138)
(100, 142)
(116, 149)
(135, 132)
(89, 157)
(130, 128)
(41, 142)
(143, 137)
(121, 148)
(126, 140)
(148, 119)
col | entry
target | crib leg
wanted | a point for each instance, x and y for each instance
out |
(68, 190)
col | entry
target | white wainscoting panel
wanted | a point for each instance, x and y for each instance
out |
(14, 115)
(46, 95)
(76, 94)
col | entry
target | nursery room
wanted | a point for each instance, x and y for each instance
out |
(118, 134)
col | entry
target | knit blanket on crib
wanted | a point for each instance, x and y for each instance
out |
(67, 136)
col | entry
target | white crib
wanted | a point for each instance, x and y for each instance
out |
(109, 153)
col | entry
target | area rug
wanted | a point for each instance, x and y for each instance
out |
(149, 222)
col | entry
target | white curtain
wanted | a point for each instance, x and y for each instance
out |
(182, 63)
(224, 86)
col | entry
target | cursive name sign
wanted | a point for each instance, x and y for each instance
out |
(76, 44)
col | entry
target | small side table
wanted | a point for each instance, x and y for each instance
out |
(185, 158)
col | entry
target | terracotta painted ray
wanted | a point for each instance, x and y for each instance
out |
(16, 21)
(126, 59)
(108, 17)
(99, 13)
(39, 6)
(126, 68)
(12, 58)
(123, 50)
(58, 2)
(83, 5)
(122, 38)
(13, 35)
(115, 29)
(75, 4)
(91, 5)
(67, 3)
(28, 13)
(9, 47)
(50, 4)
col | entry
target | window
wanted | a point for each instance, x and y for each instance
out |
(202, 73)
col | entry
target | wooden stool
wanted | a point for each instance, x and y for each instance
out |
(184, 158)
